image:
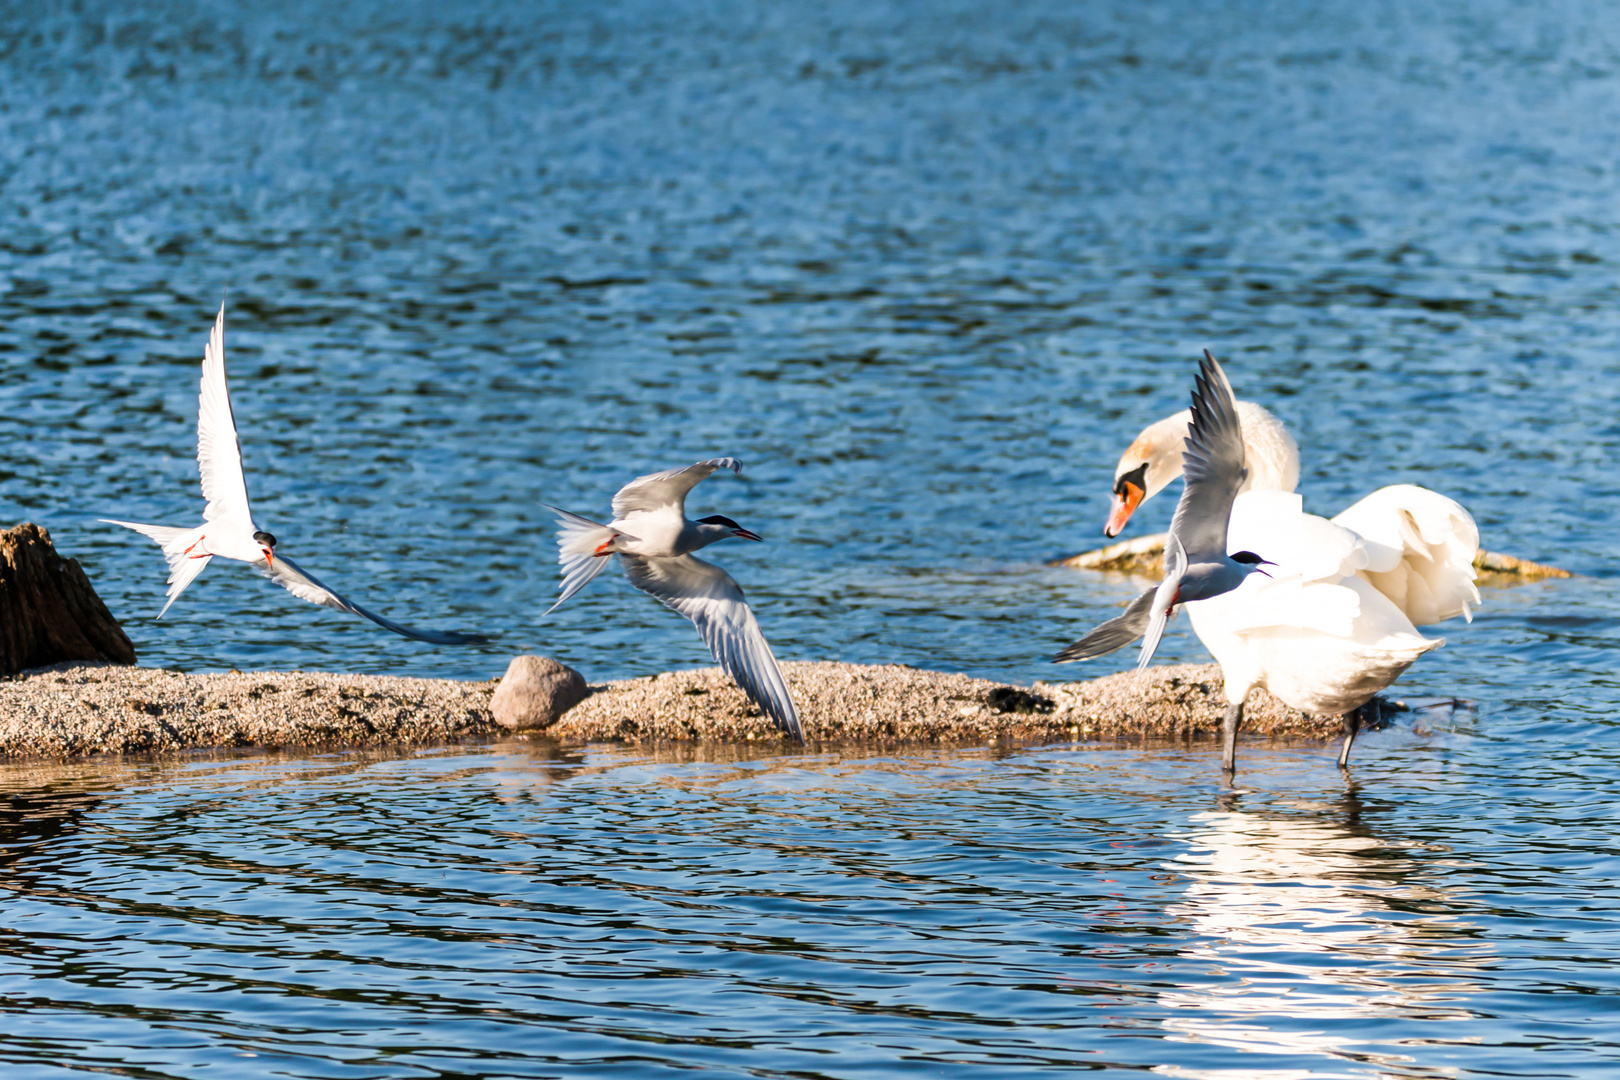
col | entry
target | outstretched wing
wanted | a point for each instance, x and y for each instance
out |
(1212, 464)
(306, 586)
(646, 494)
(1164, 599)
(709, 597)
(1116, 633)
(219, 451)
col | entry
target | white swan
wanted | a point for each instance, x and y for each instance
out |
(1336, 622)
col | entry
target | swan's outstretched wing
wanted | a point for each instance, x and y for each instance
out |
(709, 597)
(656, 491)
(219, 451)
(1116, 633)
(1212, 464)
(1423, 553)
(306, 586)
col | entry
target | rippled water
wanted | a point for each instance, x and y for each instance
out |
(925, 268)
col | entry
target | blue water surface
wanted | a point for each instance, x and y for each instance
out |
(926, 268)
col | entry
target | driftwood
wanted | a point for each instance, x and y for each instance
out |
(49, 613)
(1145, 555)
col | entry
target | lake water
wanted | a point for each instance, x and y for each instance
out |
(925, 268)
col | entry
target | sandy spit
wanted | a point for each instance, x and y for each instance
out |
(898, 704)
(81, 709)
(76, 709)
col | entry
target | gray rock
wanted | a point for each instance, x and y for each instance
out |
(535, 692)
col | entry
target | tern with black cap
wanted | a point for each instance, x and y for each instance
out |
(1196, 564)
(654, 540)
(228, 530)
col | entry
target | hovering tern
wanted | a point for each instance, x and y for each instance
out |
(228, 529)
(1196, 565)
(654, 540)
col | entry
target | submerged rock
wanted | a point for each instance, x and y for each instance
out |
(1144, 556)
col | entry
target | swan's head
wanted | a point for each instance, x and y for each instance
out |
(719, 527)
(1146, 466)
(1154, 459)
(267, 544)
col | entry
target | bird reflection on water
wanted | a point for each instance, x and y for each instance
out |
(1317, 928)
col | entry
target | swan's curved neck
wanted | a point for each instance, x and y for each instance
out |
(1269, 451)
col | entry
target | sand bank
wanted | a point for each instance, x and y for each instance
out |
(82, 709)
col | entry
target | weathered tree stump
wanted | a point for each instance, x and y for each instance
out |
(49, 613)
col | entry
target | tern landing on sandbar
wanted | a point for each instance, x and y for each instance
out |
(654, 540)
(1196, 565)
(228, 529)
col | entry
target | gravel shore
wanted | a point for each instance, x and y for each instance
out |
(76, 710)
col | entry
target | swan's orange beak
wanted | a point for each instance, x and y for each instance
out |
(1126, 500)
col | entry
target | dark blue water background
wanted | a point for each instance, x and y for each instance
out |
(925, 268)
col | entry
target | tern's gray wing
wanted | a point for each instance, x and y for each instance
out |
(1164, 599)
(1212, 464)
(1114, 634)
(645, 494)
(306, 586)
(709, 597)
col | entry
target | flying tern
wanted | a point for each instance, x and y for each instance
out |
(654, 540)
(1196, 565)
(228, 529)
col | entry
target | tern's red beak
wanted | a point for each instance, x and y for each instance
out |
(1126, 500)
(744, 534)
(269, 557)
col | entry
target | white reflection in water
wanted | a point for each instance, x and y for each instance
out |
(1310, 920)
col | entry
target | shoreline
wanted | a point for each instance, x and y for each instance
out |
(80, 710)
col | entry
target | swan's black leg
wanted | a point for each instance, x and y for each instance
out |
(1229, 730)
(1352, 724)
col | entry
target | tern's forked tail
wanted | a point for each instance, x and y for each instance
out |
(176, 545)
(582, 549)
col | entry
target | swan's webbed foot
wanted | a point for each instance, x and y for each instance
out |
(1229, 729)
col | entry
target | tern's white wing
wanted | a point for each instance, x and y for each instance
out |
(1212, 464)
(304, 585)
(709, 597)
(219, 451)
(646, 494)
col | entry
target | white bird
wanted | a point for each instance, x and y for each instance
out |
(1336, 622)
(654, 540)
(228, 529)
(1196, 563)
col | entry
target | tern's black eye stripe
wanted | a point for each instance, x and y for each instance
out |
(717, 519)
(265, 538)
(1137, 476)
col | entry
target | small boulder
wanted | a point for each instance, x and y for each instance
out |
(535, 692)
